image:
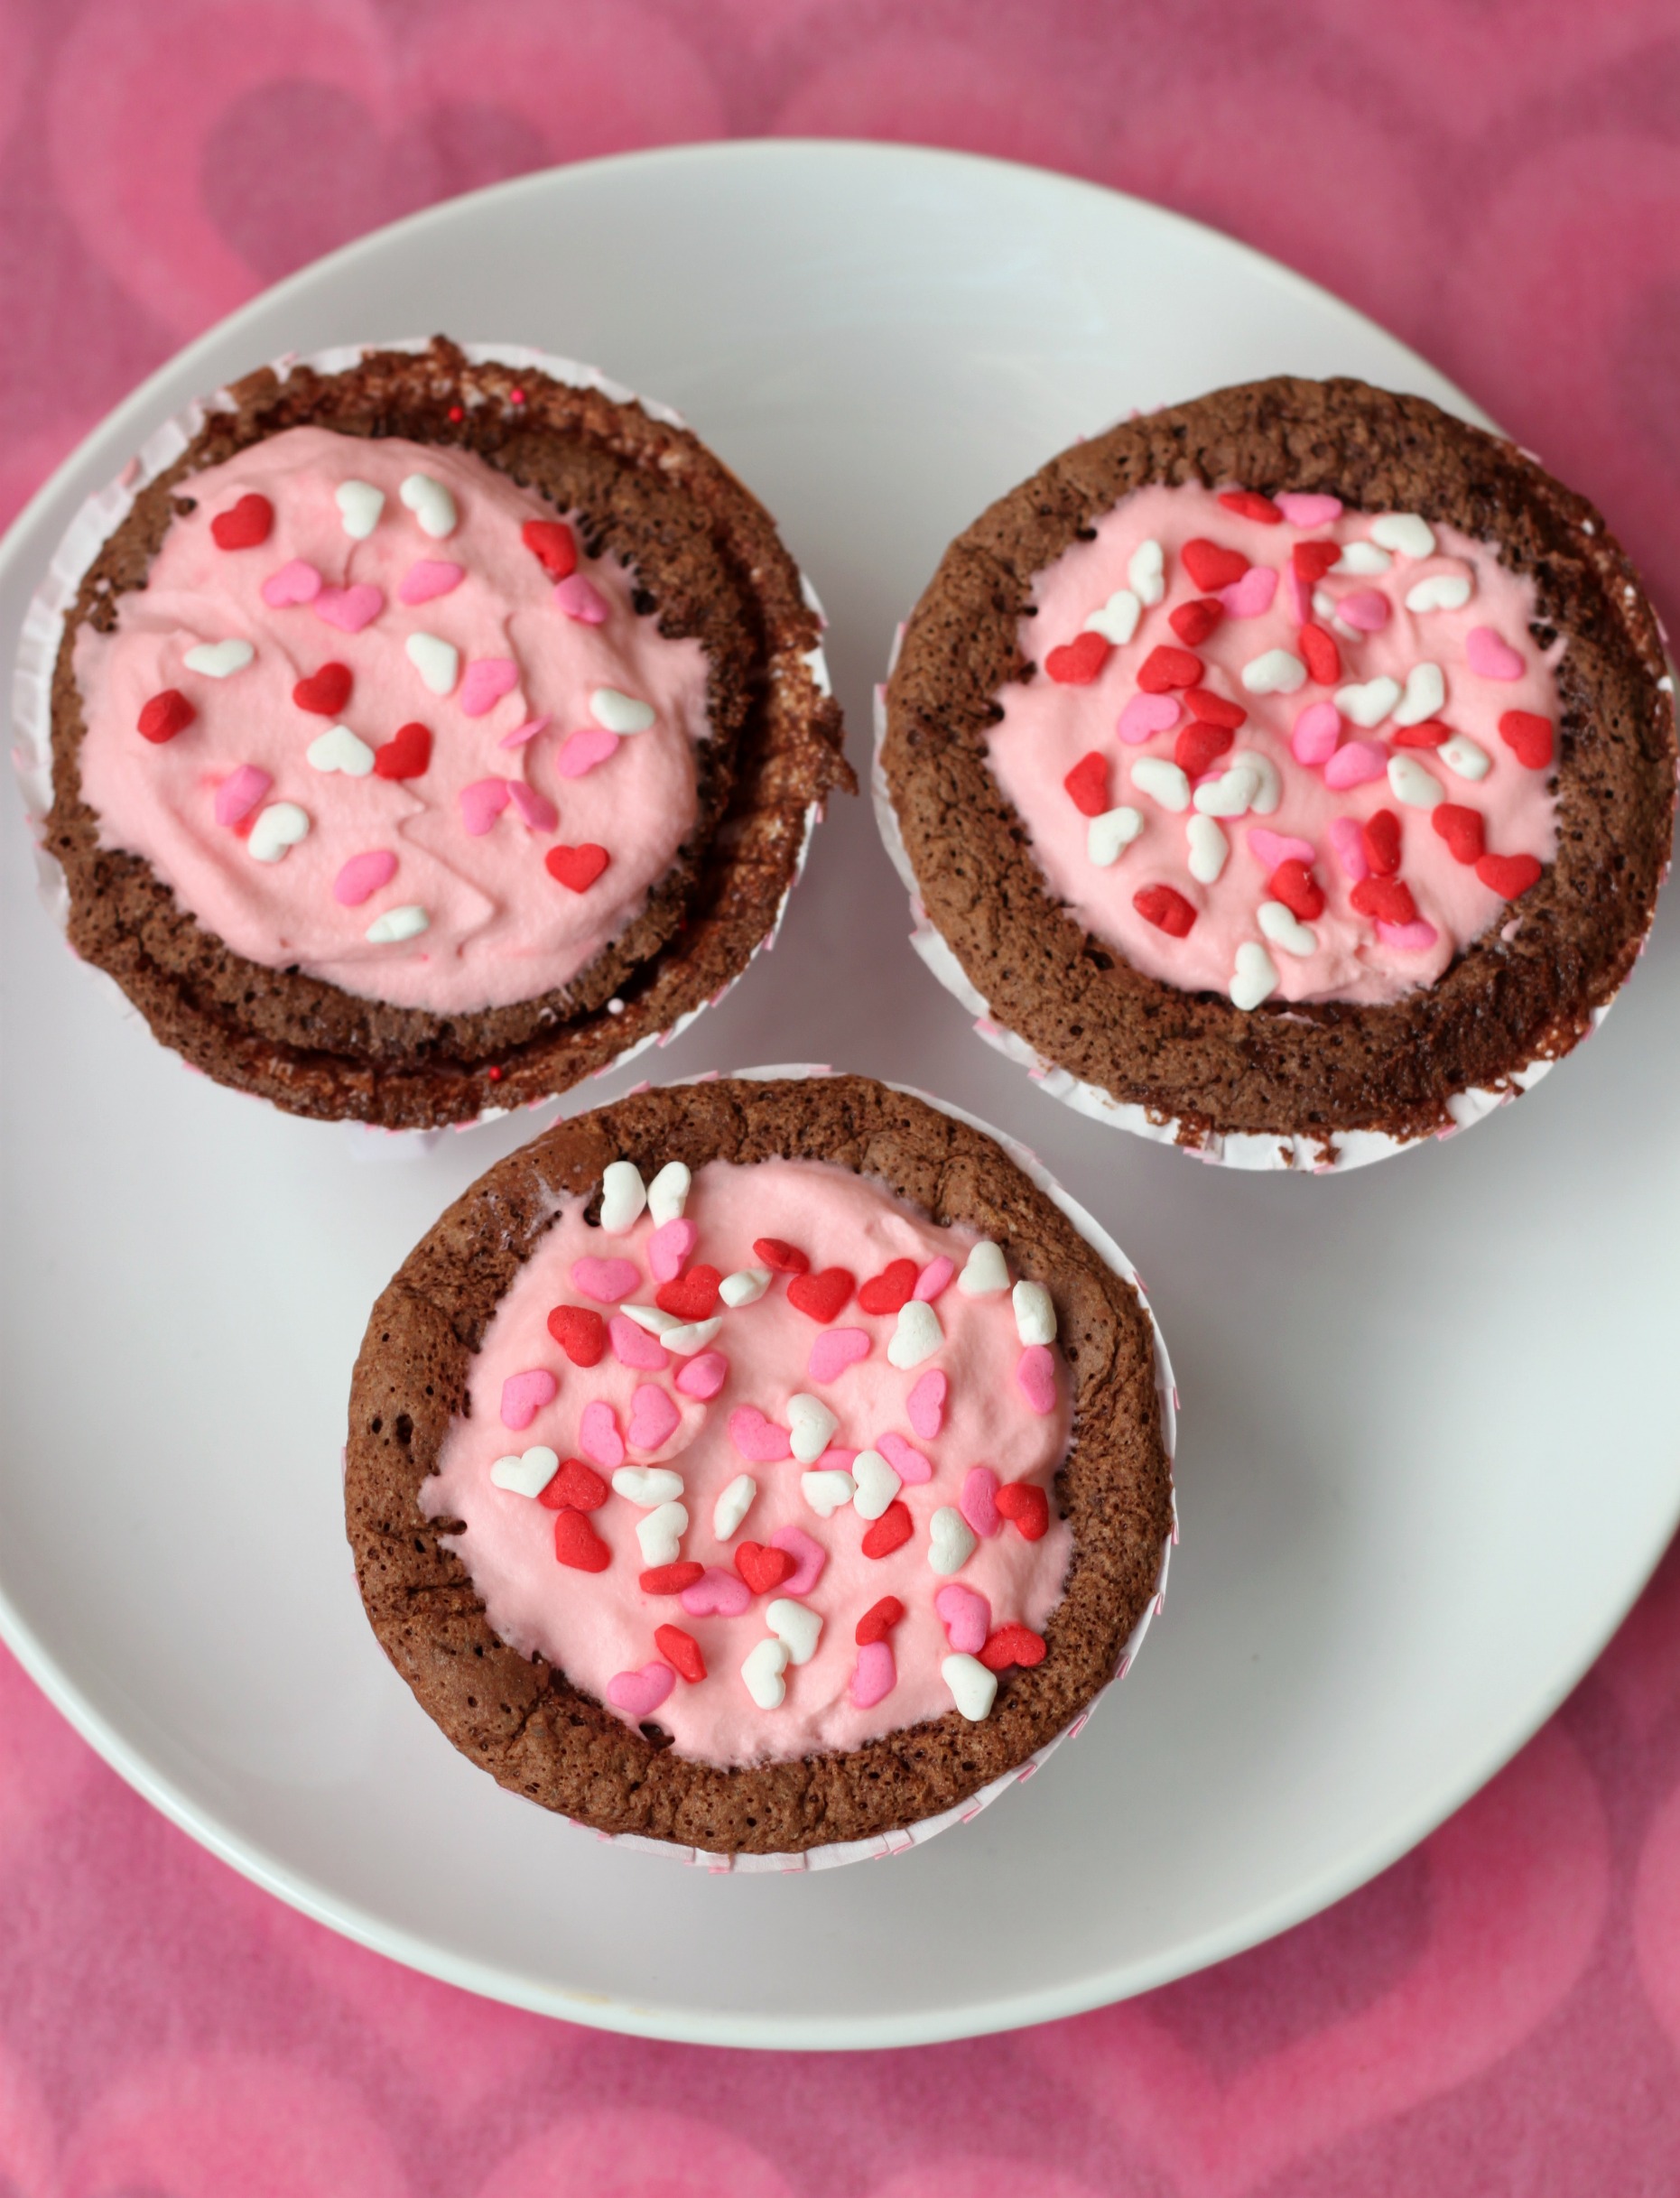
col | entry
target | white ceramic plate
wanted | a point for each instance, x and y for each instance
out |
(1429, 1452)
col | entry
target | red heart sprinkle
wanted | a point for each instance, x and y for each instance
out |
(786, 1258)
(1313, 560)
(1214, 709)
(1193, 622)
(1249, 503)
(681, 1650)
(577, 1544)
(1078, 662)
(576, 868)
(1087, 784)
(821, 1297)
(762, 1567)
(1527, 736)
(1385, 900)
(1462, 828)
(885, 1291)
(693, 1296)
(165, 715)
(1430, 733)
(580, 1333)
(1012, 1644)
(1321, 656)
(891, 1531)
(1381, 836)
(1167, 909)
(551, 541)
(669, 1579)
(1213, 566)
(878, 1620)
(1026, 1503)
(406, 755)
(246, 525)
(576, 1487)
(1294, 885)
(1166, 668)
(1198, 746)
(1508, 875)
(325, 692)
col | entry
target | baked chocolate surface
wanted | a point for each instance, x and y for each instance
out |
(1289, 1067)
(521, 1720)
(708, 560)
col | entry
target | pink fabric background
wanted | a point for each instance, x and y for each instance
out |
(1499, 181)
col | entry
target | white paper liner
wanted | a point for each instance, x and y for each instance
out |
(1304, 1155)
(104, 512)
(900, 1841)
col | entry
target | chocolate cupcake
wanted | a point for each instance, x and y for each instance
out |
(1290, 773)
(764, 1469)
(429, 728)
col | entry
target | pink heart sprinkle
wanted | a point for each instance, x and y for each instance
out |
(1270, 849)
(525, 1395)
(535, 809)
(905, 1458)
(297, 582)
(633, 1346)
(704, 1376)
(669, 1248)
(1367, 609)
(934, 1278)
(1035, 1377)
(717, 1594)
(654, 1418)
(809, 1557)
(429, 578)
(580, 599)
(1145, 715)
(487, 679)
(481, 803)
(581, 752)
(834, 1351)
(607, 1281)
(239, 794)
(639, 1693)
(874, 1676)
(835, 1461)
(362, 877)
(1316, 732)
(1297, 597)
(966, 1616)
(979, 1501)
(1251, 596)
(925, 1405)
(1349, 842)
(1410, 938)
(1356, 764)
(758, 1439)
(528, 732)
(1304, 510)
(599, 1436)
(1490, 656)
(349, 609)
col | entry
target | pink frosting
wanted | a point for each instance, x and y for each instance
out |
(499, 927)
(1336, 771)
(596, 1627)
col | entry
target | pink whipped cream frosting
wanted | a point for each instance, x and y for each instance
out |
(598, 1627)
(1332, 751)
(427, 890)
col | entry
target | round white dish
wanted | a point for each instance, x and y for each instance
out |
(1432, 1452)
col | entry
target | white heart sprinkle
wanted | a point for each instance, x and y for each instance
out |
(667, 1194)
(1284, 928)
(683, 1341)
(529, 1473)
(653, 1318)
(661, 1533)
(620, 713)
(876, 1484)
(797, 1627)
(1230, 794)
(432, 503)
(624, 1197)
(1411, 784)
(397, 925)
(950, 1540)
(732, 1506)
(1117, 621)
(359, 505)
(1364, 558)
(746, 1286)
(1405, 533)
(985, 1272)
(1464, 758)
(340, 749)
(1324, 606)
(1426, 693)
(1162, 781)
(1209, 849)
(1270, 790)
(218, 659)
(1368, 705)
(1256, 976)
(1108, 836)
(278, 827)
(437, 662)
(810, 1425)
(917, 1336)
(647, 1485)
(1440, 591)
(763, 1670)
(1275, 672)
(1035, 1314)
(827, 1490)
(973, 1688)
(1146, 572)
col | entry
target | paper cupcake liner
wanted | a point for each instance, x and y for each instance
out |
(100, 515)
(1335, 1152)
(900, 1840)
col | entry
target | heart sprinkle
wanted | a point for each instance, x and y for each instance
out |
(164, 716)
(576, 868)
(245, 525)
(406, 754)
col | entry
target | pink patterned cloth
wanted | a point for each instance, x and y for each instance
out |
(1500, 185)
